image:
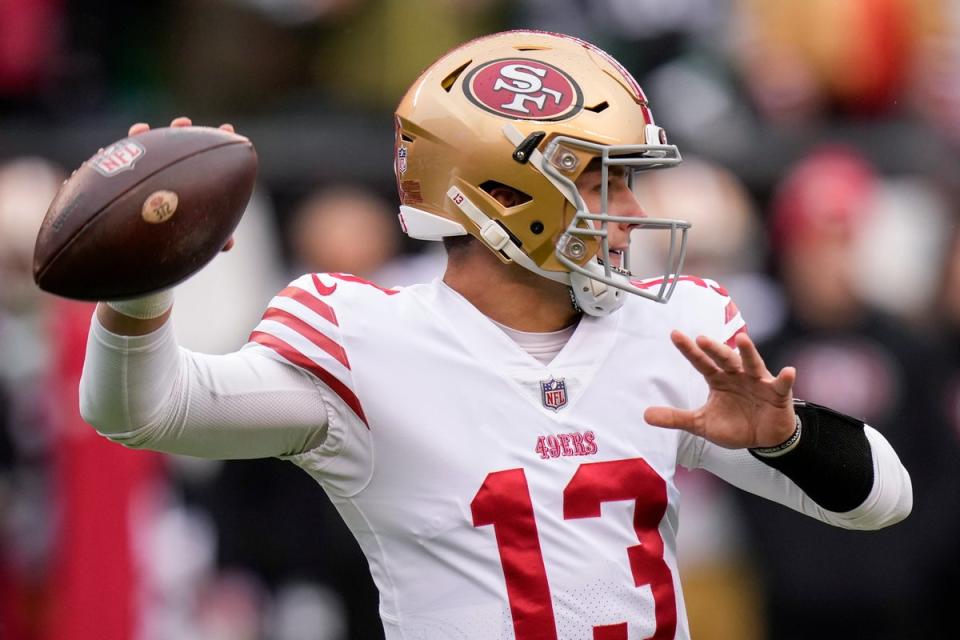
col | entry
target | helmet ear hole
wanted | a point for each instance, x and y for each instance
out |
(505, 194)
(536, 227)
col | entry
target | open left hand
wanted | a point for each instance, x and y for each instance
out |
(747, 405)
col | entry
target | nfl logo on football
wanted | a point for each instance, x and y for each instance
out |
(553, 393)
(118, 157)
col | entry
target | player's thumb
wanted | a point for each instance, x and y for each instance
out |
(668, 417)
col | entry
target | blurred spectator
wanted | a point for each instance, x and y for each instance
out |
(935, 92)
(901, 246)
(30, 41)
(826, 583)
(350, 229)
(795, 67)
(27, 185)
(725, 242)
(343, 229)
(28, 498)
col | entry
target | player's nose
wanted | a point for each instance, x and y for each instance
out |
(627, 204)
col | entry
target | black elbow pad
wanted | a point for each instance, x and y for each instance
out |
(832, 463)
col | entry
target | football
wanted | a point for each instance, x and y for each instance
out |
(144, 213)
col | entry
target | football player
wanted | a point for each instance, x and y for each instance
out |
(502, 441)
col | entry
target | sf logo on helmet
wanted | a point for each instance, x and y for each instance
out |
(524, 89)
(525, 82)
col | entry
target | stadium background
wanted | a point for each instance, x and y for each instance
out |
(822, 140)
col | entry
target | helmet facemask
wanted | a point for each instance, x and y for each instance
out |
(596, 282)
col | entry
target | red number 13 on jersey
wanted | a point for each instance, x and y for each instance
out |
(504, 502)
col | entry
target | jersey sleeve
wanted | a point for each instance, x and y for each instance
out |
(703, 307)
(733, 323)
(303, 327)
(146, 392)
(714, 308)
(890, 499)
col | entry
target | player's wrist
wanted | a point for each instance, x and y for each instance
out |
(784, 447)
(147, 307)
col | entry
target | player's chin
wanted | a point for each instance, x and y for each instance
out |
(616, 261)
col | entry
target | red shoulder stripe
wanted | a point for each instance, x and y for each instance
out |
(730, 312)
(289, 320)
(346, 277)
(316, 305)
(700, 282)
(289, 353)
(732, 340)
(646, 284)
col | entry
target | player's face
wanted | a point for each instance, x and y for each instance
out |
(621, 201)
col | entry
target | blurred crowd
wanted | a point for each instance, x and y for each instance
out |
(822, 176)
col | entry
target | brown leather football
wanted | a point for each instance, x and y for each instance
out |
(145, 213)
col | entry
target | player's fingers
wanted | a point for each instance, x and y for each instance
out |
(722, 355)
(670, 418)
(181, 121)
(226, 126)
(694, 354)
(752, 361)
(783, 383)
(138, 128)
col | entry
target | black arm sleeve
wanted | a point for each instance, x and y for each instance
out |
(832, 463)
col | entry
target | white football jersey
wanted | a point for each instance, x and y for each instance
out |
(495, 497)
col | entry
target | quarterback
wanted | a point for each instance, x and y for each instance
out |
(503, 441)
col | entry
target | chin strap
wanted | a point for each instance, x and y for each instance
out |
(496, 236)
(594, 297)
(591, 296)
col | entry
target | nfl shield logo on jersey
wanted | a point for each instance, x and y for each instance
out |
(553, 393)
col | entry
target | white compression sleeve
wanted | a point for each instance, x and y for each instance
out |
(146, 392)
(890, 499)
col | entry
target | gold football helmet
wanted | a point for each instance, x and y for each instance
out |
(530, 110)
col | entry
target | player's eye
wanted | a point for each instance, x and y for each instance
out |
(613, 183)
